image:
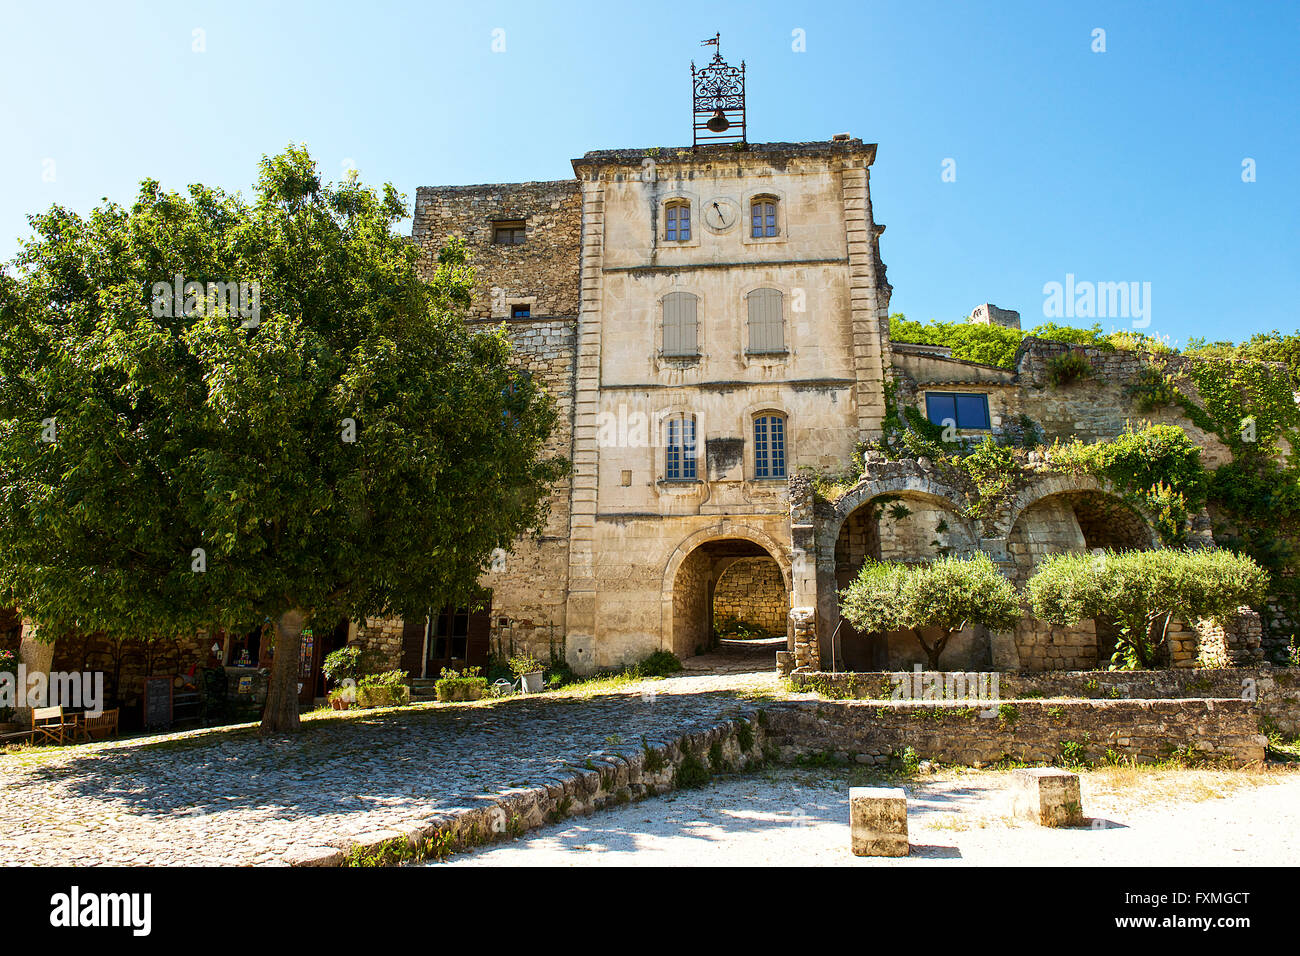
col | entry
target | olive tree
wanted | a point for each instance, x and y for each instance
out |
(216, 412)
(1142, 591)
(950, 593)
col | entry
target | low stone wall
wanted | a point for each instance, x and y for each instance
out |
(876, 732)
(1275, 691)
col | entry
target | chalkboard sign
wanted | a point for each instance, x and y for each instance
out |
(157, 703)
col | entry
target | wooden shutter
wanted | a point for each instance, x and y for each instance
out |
(413, 647)
(478, 648)
(680, 324)
(766, 325)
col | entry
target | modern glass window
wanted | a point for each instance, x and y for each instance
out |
(509, 233)
(681, 449)
(769, 446)
(680, 324)
(963, 409)
(762, 217)
(678, 228)
(766, 322)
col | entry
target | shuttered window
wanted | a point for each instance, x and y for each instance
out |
(769, 446)
(680, 324)
(766, 323)
(678, 227)
(681, 449)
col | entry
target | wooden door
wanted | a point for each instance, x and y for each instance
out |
(459, 638)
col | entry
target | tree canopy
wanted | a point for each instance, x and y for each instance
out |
(216, 411)
(949, 593)
(1138, 590)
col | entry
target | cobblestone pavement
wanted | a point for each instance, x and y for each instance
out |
(229, 797)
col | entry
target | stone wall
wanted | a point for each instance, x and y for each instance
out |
(752, 591)
(383, 638)
(1275, 691)
(541, 273)
(1034, 731)
(529, 582)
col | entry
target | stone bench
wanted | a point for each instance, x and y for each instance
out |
(1046, 796)
(878, 821)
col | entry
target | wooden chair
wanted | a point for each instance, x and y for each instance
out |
(49, 725)
(98, 728)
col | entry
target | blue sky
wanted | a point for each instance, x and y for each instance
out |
(1122, 166)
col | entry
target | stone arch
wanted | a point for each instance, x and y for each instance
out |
(916, 484)
(910, 481)
(762, 542)
(1061, 514)
(1052, 485)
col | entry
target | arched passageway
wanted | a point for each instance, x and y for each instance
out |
(729, 584)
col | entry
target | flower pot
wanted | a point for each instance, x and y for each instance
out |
(531, 683)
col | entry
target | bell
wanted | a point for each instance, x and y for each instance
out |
(717, 122)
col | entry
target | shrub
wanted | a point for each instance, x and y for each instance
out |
(1068, 367)
(660, 664)
(1141, 590)
(522, 664)
(347, 663)
(463, 685)
(948, 593)
(385, 689)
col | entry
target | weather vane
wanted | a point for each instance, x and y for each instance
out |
(719, 98)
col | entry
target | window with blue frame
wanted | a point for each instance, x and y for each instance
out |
(963, 409)
(678, 227)
(681, 449)
(769, 446)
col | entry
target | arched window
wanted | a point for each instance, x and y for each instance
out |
(680, 459)
(762, 217)
(680, 324)
(769, 446)
(677, 226)
(766, 321)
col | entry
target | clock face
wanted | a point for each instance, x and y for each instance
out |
(720, 214)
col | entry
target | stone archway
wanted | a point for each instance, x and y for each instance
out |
(845, 538)
(1073, 516)
(691, 578)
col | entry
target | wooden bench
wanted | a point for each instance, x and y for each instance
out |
(98, 728)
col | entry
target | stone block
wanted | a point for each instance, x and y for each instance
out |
(878, 821)
(1046, 796)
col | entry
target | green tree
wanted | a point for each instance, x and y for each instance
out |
(1142, 591)
(335, 442)
(949, 593)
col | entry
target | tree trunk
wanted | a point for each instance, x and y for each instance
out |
(281, 713)
(38, 657)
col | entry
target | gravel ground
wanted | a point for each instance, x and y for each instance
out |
(792, 817)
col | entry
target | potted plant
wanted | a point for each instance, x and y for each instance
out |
(465, 685)
(341, 698)
(529, 671)
(387, 689)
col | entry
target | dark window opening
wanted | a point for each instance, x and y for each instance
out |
(520, 311)
(509, 233)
